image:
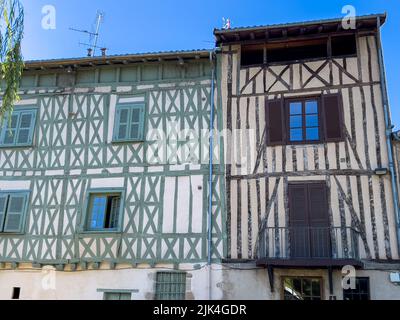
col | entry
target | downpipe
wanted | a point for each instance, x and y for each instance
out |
(210, 184)
(388, 132)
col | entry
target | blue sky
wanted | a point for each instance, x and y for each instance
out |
(132, 26)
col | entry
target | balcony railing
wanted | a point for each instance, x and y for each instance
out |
(308, 243)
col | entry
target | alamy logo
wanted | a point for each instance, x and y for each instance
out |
(349, 278)
(349, 20)
(49, 17)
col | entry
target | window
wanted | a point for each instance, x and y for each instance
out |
(105, 210)
(361, 291)
(129, 122)
(302, 288)
(295, 50)
(12, 211)
(170, 285)
(16, 293)
(18, 131)
(304, 120)
(304, 123)
(117, 296)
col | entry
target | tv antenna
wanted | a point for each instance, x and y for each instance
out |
(93, 34)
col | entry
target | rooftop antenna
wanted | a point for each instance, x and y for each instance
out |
(93, 35)
(226, 23)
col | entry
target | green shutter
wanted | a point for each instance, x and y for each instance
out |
(129, 122)
(26, 127)
(19, 131)
(10, 130)
(15, 212)
(3, 206)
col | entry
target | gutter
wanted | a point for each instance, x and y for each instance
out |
(388, 133)
(211, 162)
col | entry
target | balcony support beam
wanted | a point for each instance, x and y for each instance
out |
(270, 270)
(330, 279)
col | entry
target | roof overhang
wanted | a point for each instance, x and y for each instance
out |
(180, 57)
(279, 32)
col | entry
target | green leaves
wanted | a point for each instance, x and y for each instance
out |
(11, 60)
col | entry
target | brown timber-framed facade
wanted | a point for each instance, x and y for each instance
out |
(257, 85)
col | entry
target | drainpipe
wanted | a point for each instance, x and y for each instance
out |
(211, 153)
(389, 128)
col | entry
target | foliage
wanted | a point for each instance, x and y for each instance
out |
(11, 60)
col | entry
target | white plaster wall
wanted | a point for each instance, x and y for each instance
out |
(84, 285)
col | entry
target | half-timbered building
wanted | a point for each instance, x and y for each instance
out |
(104, 188)
(314, 201)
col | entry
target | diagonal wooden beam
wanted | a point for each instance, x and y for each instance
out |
(345, 71)
(353, 147)
(314, 74)
(354, 217)
(251, 80)
(278, 78)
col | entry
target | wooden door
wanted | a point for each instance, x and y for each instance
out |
(309, 221)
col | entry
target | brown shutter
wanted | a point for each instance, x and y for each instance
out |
(298, 221)
(332, 116)
(274, 120)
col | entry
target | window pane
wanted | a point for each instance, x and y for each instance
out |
(23, 136)
(311, 107)
(9, 136)
(134, 131)
(26, 120)
(123, 115)
(312, 134)
(135, 115)
(14, 121)
(114, 211)
(312, 120)
(295, 108)
(316, 288)
(98, 212)
(296, 121)
(122, 131)
(296, 134)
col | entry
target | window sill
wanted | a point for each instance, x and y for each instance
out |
(126, 141)
(98, 232)
(15, 233)
(13, 146)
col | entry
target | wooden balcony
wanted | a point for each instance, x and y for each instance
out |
(315, 247)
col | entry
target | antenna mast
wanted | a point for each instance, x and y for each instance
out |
(93, 36)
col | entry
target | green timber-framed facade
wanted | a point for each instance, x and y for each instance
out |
(74, 154)
(104, 217)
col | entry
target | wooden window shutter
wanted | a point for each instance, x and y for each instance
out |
(333, 117)
(3, 206)
(15, 213)
(275, 122)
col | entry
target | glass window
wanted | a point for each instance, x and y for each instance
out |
(104, 211)
(302, 288)
(18, 131)
(170, 285)
(360, 292)
(12, 211)
(304, 121)
(129, 122)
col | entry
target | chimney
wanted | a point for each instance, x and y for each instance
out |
(103, 51)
